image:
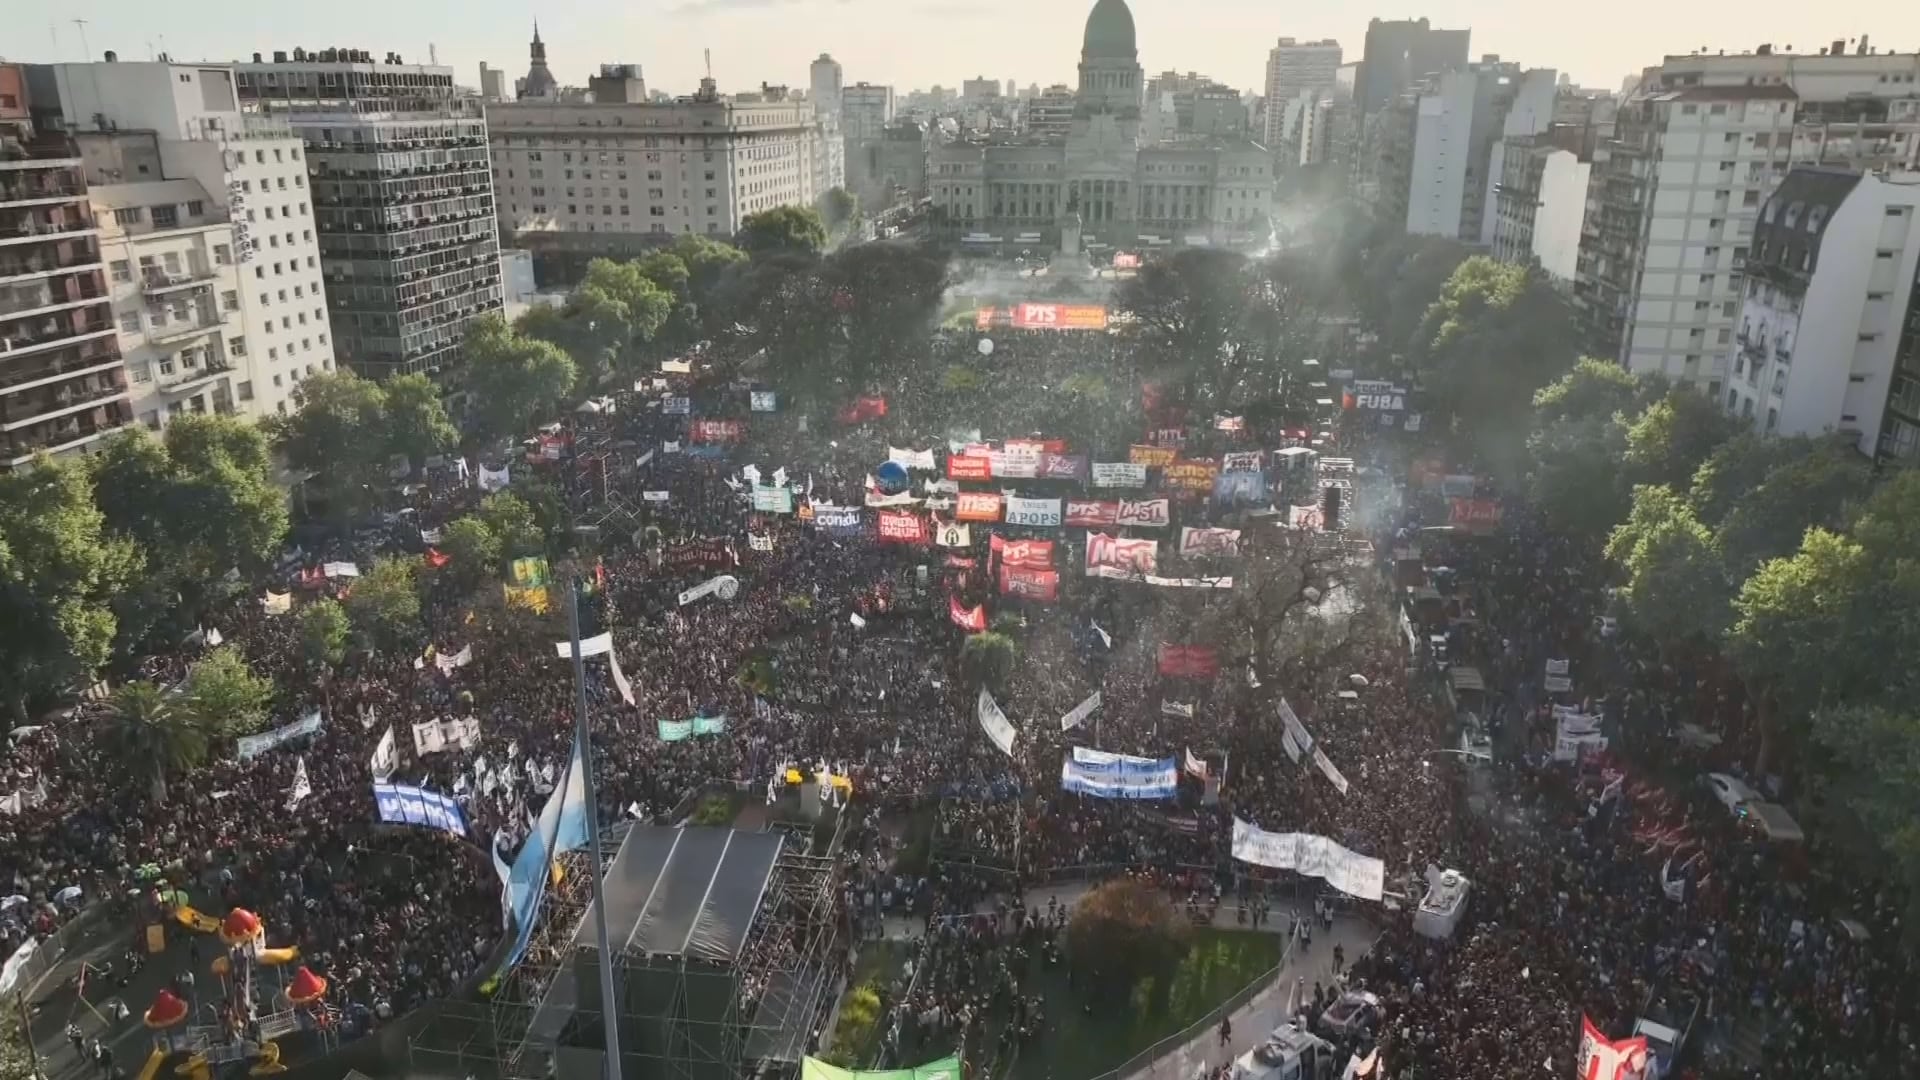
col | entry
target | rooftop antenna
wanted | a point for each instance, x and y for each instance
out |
(708, 53)
(86, 50)
(433, 54)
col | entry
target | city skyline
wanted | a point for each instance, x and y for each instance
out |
(774, 40)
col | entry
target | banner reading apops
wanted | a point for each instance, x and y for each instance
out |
(1039, 513)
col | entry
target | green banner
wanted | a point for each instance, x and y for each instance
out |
(675, 730)
(944, 1069)
(531, 573)
(709, 725)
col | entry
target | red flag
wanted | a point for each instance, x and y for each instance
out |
(972, 619)
(864, 408)
(436, 559)
(1188, 661)
(1604, 1059)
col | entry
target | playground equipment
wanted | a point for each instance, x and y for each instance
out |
(252, 1016)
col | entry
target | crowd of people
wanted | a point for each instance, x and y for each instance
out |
(839, 651)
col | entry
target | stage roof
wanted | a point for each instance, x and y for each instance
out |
(689, 892)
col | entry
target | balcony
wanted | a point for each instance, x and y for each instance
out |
(69, 257)
(155, 282)
(33, 190)
(206, 322)
(58, 367)
(52, 335)
(188, 378)
(31, 230)
(65, 433)
(33, 406)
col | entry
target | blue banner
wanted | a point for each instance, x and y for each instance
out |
(1118, 776)
(838, 520)
(404, 804)
(1240, 487)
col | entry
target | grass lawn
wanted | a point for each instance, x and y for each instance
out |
(1085, 1037)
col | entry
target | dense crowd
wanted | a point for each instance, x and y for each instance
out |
(1567, 912)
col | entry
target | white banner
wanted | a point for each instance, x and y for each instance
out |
(643, 460)
(1292, 748)
(656, 496)
(428, 738)
(898, 498)
(756, 542)
(949, 534)
(995, 723)
(763, 400)
(1182, 709)
(386, 756)
(1042, 513)
(1015, 463)
(449, 662)
(1241, 461)
(1119, 474)
(1118, 776)
(302, 786)
(768, 499)
(1080, 712)
(248, 747)
(1198, 543)
(1314, 856)
(341, 570)
(276, 603)
(1144, 513)
(912, 459)
(726, 587)
(1294, 729)
(593, 646)
(495, 479)
(1326, 768)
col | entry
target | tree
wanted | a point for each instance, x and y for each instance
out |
(225, 697)
(475, 550)
(987, 659)
(417, 423)
(1677, 591)
(1576, 479)
(515, 380)
(622, 305)
(1872, 774)
(1591, 388)
(153, 736)
(339, 436)
(1821, 486)
(707, 261)
(796, 229)
(59, 570)
(1125, 931)
(1668, 442)
(838, 210)
(324, 629)
(666, 270)
(883, 300)
(384, 604)
(1736, 467)
(513, 525)
(1191, 307)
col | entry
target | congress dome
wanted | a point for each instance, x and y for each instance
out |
(1109, 32)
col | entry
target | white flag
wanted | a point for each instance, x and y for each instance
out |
(302, 787)
(386, 756)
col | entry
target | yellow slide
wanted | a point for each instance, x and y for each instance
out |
(152, 1068)
(266, 957)
(195, 921)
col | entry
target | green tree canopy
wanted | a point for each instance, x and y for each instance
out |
(1674, 436)
(796, 229)
(515, 380)
(623, 305)
(1677, 591)
(225, 697)
(1576, 478)
(324, 631)
(987, 659)
(1592, 388)
(417, 423)
(1191, 306)
(1802, 624)
(1125, 931)
(1822, 484)
(60, 568)
(475, 550)
(339, 436)
(153, 735)
(514, 527)
(384, 604)
(838, 210)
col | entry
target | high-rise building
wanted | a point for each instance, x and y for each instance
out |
(1540, 203)
(493, 83)
(1295, 68)
(1697, 149)
(1452, 163)
(980, 91)
(403, 200)
(192, 128)
(1049, 114)
(62, 383)
(582, 179)
(825, 82)
(1400, 54)
(865, 111)
(1826, 328)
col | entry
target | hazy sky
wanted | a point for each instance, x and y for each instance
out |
(916, 43)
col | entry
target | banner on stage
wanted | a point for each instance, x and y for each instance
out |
(1038, 513)
(995, 723)
(1102, 775)
(1123, 474)
(1312, 856)
(1080, 712)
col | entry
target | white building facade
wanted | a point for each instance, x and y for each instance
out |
(1295, 68)
(255, 168)
(1829, 290)
(865, 111)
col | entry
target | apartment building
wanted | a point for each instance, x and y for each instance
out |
(1401, 54)
(1296, 68)
(62, 385)
(1696, 151)
(579, 179)
(194, 130)
(1049, 114)
(402, 183)
(865, 111)
(1540, 202)
(1826, 308)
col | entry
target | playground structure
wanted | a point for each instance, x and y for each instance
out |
(240, 1031)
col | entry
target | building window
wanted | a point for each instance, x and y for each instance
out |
(166, 216)
(122, 272)
(230, 300)
(246, 390)
(127, 215)
(129, 322)
(237, 346)
(141, 371)
(151, 419)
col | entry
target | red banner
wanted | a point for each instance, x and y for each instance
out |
(976, 506)
(1029, 584)
(864, 408)
(1197, 474)
(968, 467)
(1028, 554)
(716, 431)
(1043, 317)
(1109, 556)
(972, 619)
(1478, 515)
(1091, 513)
(1603, 1059)
(1188, 662)
(902, 527)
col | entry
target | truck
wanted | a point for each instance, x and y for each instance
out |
(1290, 1052)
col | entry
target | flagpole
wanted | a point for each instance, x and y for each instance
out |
(582, 737)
